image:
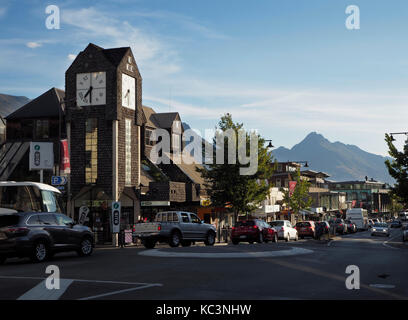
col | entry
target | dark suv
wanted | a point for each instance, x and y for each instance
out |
(41, 235)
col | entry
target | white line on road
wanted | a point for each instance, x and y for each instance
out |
(41, 292)
(226, 255)
(120, 291)
(385, 242)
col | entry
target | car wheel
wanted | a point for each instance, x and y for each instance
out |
(210, 240)
(2, 260)
(260, 237)
(85, 248)
(185, 243)
(175, 239)
(40, 252)
(235, 242)
(149, 244)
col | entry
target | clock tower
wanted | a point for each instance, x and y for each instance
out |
(104, 114)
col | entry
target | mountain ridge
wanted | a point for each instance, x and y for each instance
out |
(9, 103)
(341, 161)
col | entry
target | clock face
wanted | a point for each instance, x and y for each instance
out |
(128, 92)
(91, 89)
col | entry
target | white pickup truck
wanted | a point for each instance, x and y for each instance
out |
(175, 228)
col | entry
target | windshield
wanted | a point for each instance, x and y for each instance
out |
(245, 224)
(303, 224)
(50, 201)
(381, 225)
(276, 223)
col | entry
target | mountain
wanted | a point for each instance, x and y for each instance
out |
(9, 104)
(342, 162)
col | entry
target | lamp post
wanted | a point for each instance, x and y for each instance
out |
(392, 134)
(270, 145)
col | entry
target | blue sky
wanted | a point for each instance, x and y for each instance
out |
(285, 68)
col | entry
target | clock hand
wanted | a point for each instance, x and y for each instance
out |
(90, 93)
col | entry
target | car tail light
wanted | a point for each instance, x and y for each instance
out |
(18, 230)
(340, 224)
(233, 228)
(255, 227)
(283, 228)
(159, 227)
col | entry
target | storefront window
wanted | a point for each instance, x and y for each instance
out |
(148, 134)
(91, 150)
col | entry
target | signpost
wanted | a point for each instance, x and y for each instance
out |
(83, 214)
(116, 207)
(41, 157)
(59, 180)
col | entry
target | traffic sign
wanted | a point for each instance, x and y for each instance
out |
(83, 214)
(59, 180)
(116, 217)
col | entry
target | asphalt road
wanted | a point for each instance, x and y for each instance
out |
(219, 272)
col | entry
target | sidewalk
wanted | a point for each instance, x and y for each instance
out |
(158, 246)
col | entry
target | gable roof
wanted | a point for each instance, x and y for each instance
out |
(148, 114)
(165, 119)
(115, 55)
(45, 106)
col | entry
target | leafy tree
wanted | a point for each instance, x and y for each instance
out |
(300, 198)
(398, 169)
(227, 186)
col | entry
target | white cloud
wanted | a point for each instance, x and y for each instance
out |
(72, 56)
(33, 45)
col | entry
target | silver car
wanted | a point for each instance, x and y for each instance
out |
(380, 228)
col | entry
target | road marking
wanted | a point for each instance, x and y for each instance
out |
(382, 286)
(225, 255)
(120, 291)
(40, 291)
(385, 242)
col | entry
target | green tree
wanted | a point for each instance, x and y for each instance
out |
(398, 169)
(300, 198)
(226, 184)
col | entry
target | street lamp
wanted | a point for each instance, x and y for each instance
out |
(392, 134)
(270, 145)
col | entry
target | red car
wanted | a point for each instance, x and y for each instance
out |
(306, 229)
(253, 231)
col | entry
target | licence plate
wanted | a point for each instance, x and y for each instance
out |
(3, 236)
(242, 237)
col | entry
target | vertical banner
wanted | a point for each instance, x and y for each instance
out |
(65, 164)
(292, 186)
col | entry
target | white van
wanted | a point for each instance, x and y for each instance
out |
(359, 217)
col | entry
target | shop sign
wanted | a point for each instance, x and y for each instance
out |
(155, 204)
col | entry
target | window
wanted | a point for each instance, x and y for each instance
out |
(128, 152)
(47, 219)
(158, 217)
(32, 221)
(279, 168)
(27, 128)
(278, 183)
(176, 142)
(194, 218)
(164, 217)
(175, 217)
(184, 217)
(20, 198)
(42, 129)
(50, 201)
(91, 150)
(63, 220)
(148, 134)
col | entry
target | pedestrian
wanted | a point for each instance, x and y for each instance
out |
(319, 230)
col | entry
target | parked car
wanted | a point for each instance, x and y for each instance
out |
(285, 230)
(306, 229)
(380, 229)
(40, 235)
(351, 227)
(404, 233)
(339, 225)
(325, 225)
(175, 228)
(396, 224)
(253, 231)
